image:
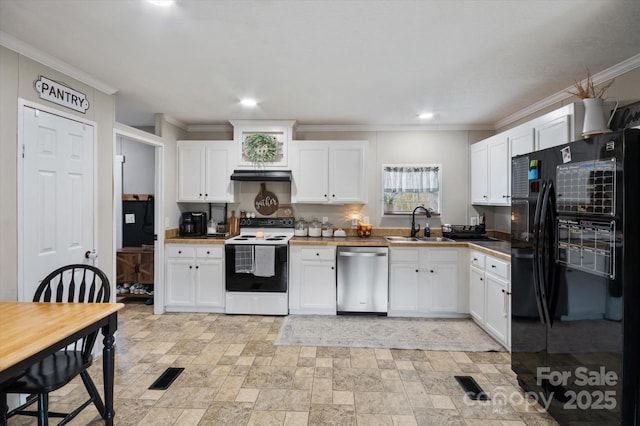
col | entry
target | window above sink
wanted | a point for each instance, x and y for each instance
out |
(405, 186)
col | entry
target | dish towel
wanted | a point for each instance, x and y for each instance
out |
(244, 259)
(265, 261)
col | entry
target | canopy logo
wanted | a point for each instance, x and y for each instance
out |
(62, 95)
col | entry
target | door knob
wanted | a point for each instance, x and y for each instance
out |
(91, 254)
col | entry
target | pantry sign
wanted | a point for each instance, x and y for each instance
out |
(60, 94)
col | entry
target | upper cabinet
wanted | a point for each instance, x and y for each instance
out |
(490, 172)
(204, 170)
(491, 158)
(328, 172)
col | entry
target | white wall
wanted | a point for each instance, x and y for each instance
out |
(17, 76)
(138, 168)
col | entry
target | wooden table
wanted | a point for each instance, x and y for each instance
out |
(29, 332)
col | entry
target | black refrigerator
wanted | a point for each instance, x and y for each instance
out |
(575, 278)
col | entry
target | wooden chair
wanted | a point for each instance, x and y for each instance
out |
(75, 284)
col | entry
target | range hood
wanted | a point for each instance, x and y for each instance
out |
(262, 175)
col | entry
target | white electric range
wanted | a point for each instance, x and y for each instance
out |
(257, 276)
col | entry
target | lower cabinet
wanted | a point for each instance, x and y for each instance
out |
(425, 282)
(490, 295)
(312, 280)
(195, 278)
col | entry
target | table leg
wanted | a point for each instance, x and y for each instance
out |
(108, 366)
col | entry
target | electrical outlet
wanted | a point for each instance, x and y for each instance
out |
(130, 218)
(325, 219)
(474, 220)
(366, 219)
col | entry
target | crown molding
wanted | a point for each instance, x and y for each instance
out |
(599, 78)
(390, 127)
(174, 121)
(214, 128)
(31, 52)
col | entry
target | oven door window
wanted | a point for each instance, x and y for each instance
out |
(248, 282)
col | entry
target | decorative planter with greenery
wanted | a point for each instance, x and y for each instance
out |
(592, 98)
(389, 198)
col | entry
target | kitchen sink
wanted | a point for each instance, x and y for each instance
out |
(394, 239)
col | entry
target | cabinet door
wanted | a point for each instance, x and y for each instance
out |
(310, 171)
(438, 292)
(191, 163)
(479, 180)
(126, 267)
(403, 288)
(499, 166)
(476, 294)
(347, 173)
(208, 283)
(521, 141)
(218, 168)
(145, 268)
(497, 308)
(180, 282)
(553, 133)
(318, 287)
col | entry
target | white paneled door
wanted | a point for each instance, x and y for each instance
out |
(57, 194)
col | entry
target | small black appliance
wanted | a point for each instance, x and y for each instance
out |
(193, 224)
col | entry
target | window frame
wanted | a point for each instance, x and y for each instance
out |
(438, 196)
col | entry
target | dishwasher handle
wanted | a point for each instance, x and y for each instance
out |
(361, 254)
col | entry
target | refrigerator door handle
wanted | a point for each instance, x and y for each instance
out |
(545, 269)
(536, 250)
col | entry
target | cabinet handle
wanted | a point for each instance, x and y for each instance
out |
(200, 195)
(325, 195)
(179, 251)
(197, 267)
(431, 271)
(208, 252)
(417, 270)
(505, 307)
(332, 268)
(317, 254)
(484, 196)
(506, 196)
(493, 266)
(334, 195)
(481, 279)
(190, 266)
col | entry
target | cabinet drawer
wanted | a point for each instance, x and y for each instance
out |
(477, 259)
(180, 252)
(209, 252)
(397, 255)
(498, 267)
(318, 254)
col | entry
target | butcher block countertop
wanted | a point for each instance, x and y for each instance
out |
(499, 249)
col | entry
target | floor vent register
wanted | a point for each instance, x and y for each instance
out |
(166, 378)
(472, 388)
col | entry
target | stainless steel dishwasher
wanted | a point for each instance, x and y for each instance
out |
(363, 279)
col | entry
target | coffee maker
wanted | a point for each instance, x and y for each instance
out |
(193, 224)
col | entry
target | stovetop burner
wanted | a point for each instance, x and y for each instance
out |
(274, 231)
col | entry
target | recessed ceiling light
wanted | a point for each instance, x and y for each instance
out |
(163, 3)
(248, 102)
(425, 116)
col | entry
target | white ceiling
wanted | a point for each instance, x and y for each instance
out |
(361, 62)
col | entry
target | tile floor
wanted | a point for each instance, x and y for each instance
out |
(234, 375)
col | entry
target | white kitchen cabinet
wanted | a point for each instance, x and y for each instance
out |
(424, 282)
(312, 280)
(479, 173)
(195, 278)
(204, 170)
(404, 277)
(476, 293)
(498, 313)
(490, 295)
(521, 140)
(552, 132)
(490, 172)
(328, 172)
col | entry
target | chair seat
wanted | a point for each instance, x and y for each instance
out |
(50, 374)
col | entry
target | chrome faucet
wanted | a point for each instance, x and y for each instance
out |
(414, 230)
